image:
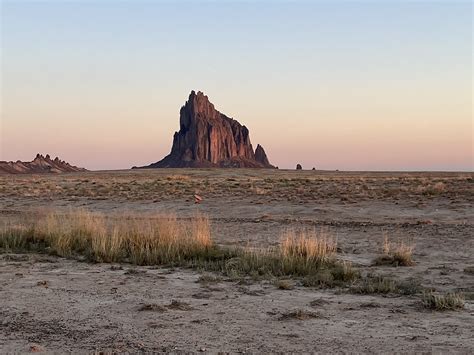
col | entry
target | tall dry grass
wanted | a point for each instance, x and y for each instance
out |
(308, 246)
(303, 252)
(160, 239)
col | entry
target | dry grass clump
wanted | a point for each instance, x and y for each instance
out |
(16, 237)
(446, 302)
(396, 254)
(284, 284)
(259, 190)
(178, 177)
(208, 279)
(410, 286)
(308, 247)
(299, 254)
(144, 241)
(433, 189)
(339, 274)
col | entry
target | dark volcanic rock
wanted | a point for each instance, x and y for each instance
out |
(39, 165)
(208, 138)
(299, 167)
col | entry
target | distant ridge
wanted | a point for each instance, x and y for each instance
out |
(40, 165)
(208, 138)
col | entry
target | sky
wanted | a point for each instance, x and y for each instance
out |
(348, 85)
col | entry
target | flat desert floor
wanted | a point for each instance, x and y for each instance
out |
(57, 305)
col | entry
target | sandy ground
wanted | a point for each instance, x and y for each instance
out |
(55, 304)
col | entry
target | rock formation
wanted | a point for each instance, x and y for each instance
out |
(208, 138)
(299, 167)
(261, 156)
(41, 164)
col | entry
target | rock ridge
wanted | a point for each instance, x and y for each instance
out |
(40, 165)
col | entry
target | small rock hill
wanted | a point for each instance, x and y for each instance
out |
(41, 164)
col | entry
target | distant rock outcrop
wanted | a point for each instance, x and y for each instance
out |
(299, 167)
(41, 164)
(208, 138)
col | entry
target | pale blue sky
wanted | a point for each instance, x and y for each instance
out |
(336, 85)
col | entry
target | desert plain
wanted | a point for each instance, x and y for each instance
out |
(62, 304)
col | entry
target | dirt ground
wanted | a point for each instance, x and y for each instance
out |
(56, 305)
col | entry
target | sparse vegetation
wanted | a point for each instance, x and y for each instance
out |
(340, 274)
(377, 284)
(440, 302)
(143, 186)
(285, 284)
(177, 177)
(409, 287)
(318, 302)
(306, 248)
(163, 240)
(395, 254)
(433, 189)
(305, 254)
(207, 279)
